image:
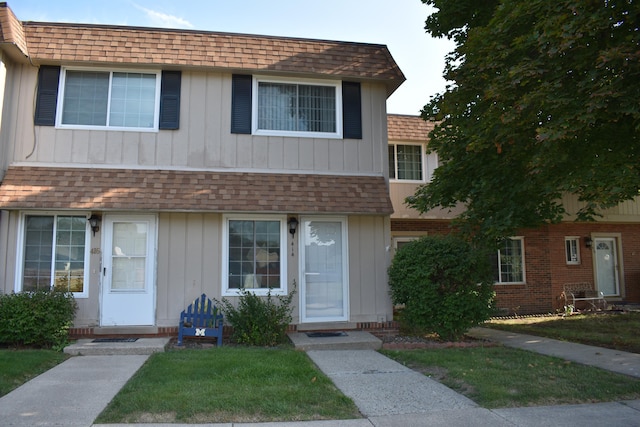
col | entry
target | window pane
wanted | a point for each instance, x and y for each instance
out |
(37, 253)
(392, 162)
(69, 256)
(291, 107)
(511, 261)
(133, 100)
(85, 98)
(254, 254)
(409, 162)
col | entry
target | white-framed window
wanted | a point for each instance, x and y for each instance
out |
(508, 264)
(400, 241)
(254, 254)
(109, 99)
(54, 253)
(409, 162)
(572, 250)
(309, 108)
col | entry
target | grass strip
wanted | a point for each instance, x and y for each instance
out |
(19, 366)
(618, 331)
(500, 377)
(228, 384)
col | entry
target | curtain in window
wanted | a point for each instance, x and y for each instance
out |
(511, 261)
(302, 108)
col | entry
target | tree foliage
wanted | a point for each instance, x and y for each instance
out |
(544, 101)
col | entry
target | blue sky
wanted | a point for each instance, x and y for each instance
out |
(399, 24)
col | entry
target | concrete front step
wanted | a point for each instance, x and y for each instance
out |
(350, 340)
(142, 346)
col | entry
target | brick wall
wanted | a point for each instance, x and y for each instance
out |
(546, 269)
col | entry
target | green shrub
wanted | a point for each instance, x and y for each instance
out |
(36, 319)
(257, 320)
(445, 285)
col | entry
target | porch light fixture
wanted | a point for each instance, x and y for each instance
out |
(293, 226)
(588, 242)
(94, 220)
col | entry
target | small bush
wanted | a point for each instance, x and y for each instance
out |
(36, 319)
(259, 321)
(445, 285)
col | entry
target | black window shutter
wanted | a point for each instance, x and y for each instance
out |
(47, 96)
(241, 103)
(351, 110)
(170, 100)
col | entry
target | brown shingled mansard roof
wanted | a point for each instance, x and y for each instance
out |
(408, 128)
(57, 43)
(191, 191)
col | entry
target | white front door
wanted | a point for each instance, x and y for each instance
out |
(606, 260)
(128, 273)
(324, 288)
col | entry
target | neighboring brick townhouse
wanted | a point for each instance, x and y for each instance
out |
(531, 268)
(142, 167)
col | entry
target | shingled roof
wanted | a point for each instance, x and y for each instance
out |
(57, 43)
(191, 191)
(408, 128)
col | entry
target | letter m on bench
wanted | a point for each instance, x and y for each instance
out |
(201, 319)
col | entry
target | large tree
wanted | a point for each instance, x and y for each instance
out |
(544, 101)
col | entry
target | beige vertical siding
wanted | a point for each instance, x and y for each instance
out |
(204, 139)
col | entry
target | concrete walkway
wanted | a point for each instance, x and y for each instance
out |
(387, 393)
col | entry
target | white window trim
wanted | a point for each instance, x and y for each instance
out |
(20, 251)
(524, 266)
(566, 255)
(226, 291)
(423, 161)
(61, 88)
(337, 84)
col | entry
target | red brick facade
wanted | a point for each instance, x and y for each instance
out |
(546, 269)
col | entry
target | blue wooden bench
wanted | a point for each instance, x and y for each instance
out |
(201, 319)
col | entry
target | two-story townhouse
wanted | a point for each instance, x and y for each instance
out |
(532, 267)
(142, 167)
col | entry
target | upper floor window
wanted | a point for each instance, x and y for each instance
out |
(405, 162)
(305, 108)
(103, 99)
(109, 99)
(508, 264)
(53, 254)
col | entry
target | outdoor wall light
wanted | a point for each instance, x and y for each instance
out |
(293, 225)
(94, 220)
(588, 242)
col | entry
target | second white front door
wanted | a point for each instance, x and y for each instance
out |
(324, 289)
(128, 270)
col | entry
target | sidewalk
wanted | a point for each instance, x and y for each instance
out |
(387, 393)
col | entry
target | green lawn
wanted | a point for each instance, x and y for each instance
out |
(618, 331)
(228, 384)
(496, 377)
(19, 366)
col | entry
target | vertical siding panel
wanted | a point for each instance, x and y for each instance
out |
(163, 147)
(197, 119)
(276, 153)
(244, 150)
(80, 142)
(336, 155)
(114, 145)
(212, 255)
(176, 261)
(62, 148)
(305, 153)
(193, 256)
(321, 154)
(180, 138)
(213, 120)
(291, 153)
(260, 153)
(163, 315)
(130, 148)
(43, 150)
(97, 148)
(355, 269)
(147, 152)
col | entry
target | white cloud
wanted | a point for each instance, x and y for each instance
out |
(163, 20)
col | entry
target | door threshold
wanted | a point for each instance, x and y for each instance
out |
(125, 330)
(325, 326)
